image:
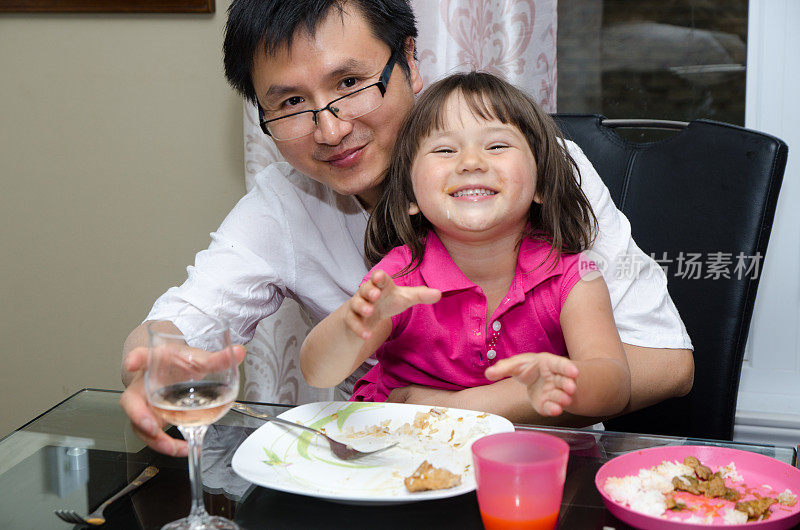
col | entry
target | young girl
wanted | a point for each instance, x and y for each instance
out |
(477, 239)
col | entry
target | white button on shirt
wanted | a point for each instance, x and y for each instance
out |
(496, 325)
(491, 354)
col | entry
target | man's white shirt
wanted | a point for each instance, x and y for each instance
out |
(292, 236)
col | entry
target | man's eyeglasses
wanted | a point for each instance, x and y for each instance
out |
(348, 107)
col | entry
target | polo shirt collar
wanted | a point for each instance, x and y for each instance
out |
(438, 268)
(441, 272)
(534, 265)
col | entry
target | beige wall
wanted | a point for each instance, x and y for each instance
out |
(120, 150)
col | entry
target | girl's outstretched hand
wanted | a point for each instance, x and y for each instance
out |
(379, 298)
(550, 379)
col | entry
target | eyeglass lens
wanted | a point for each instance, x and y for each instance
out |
(349, 107)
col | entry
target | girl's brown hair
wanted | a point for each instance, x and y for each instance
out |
(564, 218)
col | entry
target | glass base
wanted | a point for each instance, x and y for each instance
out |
(205, 522)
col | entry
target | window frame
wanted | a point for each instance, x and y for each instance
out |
(107, 6)
(769, 397)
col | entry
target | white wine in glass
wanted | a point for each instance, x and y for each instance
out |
(192, 379)
(193, 403)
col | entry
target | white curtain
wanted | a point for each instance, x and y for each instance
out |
(515, 39)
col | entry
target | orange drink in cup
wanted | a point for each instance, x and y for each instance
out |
(520, 477)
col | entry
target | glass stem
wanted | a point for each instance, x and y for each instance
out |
(194, 437)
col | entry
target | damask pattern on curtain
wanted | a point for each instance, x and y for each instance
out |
(515, 39)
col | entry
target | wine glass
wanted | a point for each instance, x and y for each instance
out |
(192, 379)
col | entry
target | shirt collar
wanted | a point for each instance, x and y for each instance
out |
(438, 268)
(441, 272)
(534, 265)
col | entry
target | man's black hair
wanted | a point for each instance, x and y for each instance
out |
(258, 26)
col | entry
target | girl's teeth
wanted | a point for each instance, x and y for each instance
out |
(473, 192)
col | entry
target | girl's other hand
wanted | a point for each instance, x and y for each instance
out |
(550, 379)
(379, 298)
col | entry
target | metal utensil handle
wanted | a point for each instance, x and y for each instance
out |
(290, 423)
(260, 415)
(148, 473)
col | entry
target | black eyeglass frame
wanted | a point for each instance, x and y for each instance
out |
(382, 83)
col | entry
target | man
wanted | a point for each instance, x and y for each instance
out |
(333, 80)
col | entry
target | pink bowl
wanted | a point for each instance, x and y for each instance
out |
(754, 468)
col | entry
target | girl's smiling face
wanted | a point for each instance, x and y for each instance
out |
(474, 179)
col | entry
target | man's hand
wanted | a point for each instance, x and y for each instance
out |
(146, 423)
(550, 379)
(380, 298)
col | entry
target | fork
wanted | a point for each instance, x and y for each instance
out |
(339, 449)
(96, 517)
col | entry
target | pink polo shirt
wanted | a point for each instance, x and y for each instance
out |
(449, 344)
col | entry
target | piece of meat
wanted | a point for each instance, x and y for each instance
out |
(426, 477)
(731, 494)
(669, 499)
(757, 508)
(702, 472)
(706, 484)
(715, 487)
(673, 504)
(688, 483)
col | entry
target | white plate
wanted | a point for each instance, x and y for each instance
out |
(299, 462)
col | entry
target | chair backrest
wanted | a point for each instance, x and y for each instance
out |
(708, 190)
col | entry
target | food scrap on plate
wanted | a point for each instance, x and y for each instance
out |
(427, 478)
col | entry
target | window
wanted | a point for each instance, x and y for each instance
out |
(609, 64)
(657, 59)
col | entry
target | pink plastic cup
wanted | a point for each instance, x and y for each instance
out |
(520, 477)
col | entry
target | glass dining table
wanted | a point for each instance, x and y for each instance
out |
(83, 450)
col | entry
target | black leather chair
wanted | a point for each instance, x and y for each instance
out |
(711, 187)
